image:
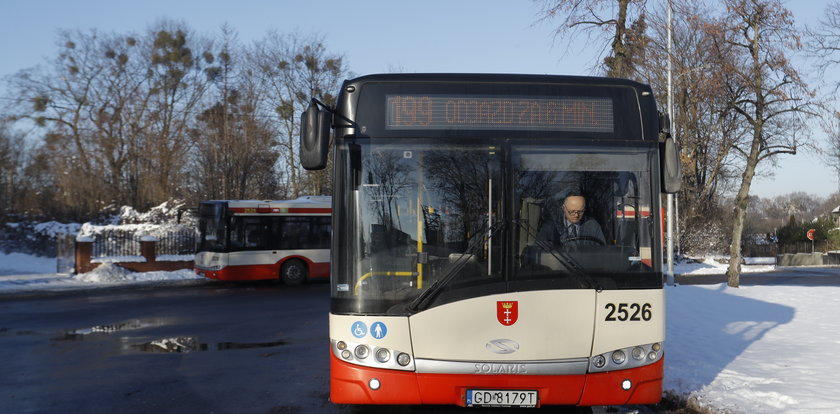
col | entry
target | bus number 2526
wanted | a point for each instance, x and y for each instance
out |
(628, 312)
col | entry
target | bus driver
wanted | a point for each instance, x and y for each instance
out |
(575, 228)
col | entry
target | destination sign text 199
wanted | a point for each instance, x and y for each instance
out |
(487, 112)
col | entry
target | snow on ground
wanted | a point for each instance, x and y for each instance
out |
(752, 350)
(755, 349)
(25, 273)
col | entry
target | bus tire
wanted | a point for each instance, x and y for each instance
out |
(293, 272)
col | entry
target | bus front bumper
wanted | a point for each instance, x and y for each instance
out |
(351, 384)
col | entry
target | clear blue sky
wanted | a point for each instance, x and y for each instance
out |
(500, 36)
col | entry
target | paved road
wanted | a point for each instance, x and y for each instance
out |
(209, 348)
(206, 347)
(793, 276)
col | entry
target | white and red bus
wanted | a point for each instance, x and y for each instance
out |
(445, 287)
(256, 240)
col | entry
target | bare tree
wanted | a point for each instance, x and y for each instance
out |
(765, 91)
(621, 24)
(824, 39)
(703, 123)
(831, 125)
(74, 102)
(113, 111)
(235, 148)
(13, 153)
(824, 44)
(178, 79)
(292, 70)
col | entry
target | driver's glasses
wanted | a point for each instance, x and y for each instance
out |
(574, 212)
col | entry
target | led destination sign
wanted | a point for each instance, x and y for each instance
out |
(440, 112)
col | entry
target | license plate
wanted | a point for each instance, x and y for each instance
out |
(501, 398)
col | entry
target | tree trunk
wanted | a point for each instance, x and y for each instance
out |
(733, 273)
(619, 67)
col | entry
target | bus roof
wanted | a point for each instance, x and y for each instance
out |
(477, 105)
(497, 78)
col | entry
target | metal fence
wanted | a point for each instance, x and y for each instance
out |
(774, 249)
(181, 242)
(122, 242)
(759, 250)
(823, 246)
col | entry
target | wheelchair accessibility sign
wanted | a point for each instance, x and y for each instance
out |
(359, 329)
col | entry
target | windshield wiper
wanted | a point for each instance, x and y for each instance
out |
(563, 258)
(451, 271)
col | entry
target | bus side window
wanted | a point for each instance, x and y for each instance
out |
(236, 236)
(256, 232)
(323, 230)
(294, 236)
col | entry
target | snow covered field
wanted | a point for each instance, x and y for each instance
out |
(756, 349)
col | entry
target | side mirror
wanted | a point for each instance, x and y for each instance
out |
(670, 167)
(315, 127)
(664, 125)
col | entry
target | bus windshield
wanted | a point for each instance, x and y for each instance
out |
(211, 227)
(428, 222)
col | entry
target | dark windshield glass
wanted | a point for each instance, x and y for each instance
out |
(426, 223)
(587, 209)
(211, 228)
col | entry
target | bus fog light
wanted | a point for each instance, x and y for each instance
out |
(656, 347)
(346, 354)
(341, 345)
(638, 353)
(383, 355)
(403, 359)
(619, 357)
(374, 384)
(626, 385)
(652, 356)
(362, 351)
(599, 361)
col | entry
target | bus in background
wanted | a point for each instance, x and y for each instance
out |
(450, 284)
(258, 240)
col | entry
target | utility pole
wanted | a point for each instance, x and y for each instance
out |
(669, 208)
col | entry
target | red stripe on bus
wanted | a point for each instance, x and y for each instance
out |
(310, 210)
(277, 210)
(264, 271)
(632, 214)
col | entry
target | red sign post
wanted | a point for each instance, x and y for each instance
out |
(810, 234)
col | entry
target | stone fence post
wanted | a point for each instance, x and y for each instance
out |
(84, 250)
(148, 248)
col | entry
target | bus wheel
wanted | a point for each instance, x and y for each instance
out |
(293, 272)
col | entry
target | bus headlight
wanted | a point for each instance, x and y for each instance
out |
(370, 355)
(362, 351)
(383, 355)
(625, 358)
(403, 359)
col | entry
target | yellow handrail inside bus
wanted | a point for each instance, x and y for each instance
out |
(371, 274)
(419, 242)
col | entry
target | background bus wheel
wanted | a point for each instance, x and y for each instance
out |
(293, 272)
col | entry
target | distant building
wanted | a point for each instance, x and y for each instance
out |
(835, 214)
